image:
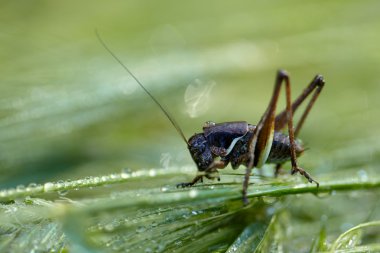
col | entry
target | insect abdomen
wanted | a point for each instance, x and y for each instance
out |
(280, 150)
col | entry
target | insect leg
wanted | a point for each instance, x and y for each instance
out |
(261, 140)
(207, 173)
(191, 183)
(260, 143)
(278, 169)
(315, 85)
(289, 114)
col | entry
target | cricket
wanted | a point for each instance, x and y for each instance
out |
(240, 143)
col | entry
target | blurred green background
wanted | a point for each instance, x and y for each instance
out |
(68, 110)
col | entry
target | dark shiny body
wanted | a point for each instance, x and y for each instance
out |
(229, 141)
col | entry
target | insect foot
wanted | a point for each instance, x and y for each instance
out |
(245, 198)
(184, 185)
(320, 80)
(305, 174)
(189, 184)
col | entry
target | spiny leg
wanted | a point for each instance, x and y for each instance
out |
(314, 87)
(278, 169)
(289, 114)
(261, 140)
(207, 173)
(191, 183)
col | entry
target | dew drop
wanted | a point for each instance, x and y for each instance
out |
(363, 176)
(32, 185)
(152, 172)
(49, 187)
(114, 176)
(193, 193)
(125, 173)
(109, 227)
(20, 188)
(63, 192)
(60, 184)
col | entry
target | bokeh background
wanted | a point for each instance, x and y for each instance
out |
(68, 110)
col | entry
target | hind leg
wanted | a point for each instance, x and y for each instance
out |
(315, 87)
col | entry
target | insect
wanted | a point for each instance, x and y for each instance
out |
(240, 143)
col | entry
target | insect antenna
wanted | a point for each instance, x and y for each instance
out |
(171, 119)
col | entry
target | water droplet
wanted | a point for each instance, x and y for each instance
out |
(60, 184)
(193, 193)
(109, 227)
(32, 185)
(63, 192)
(363, 176)
(114, 176)
(20, 188)
(11, 191)
(49, 187)
(126, 170)
(152, 172)
(125, 173)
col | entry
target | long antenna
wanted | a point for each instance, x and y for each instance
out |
(171, 119)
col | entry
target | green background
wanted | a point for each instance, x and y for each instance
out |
(68, 110)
